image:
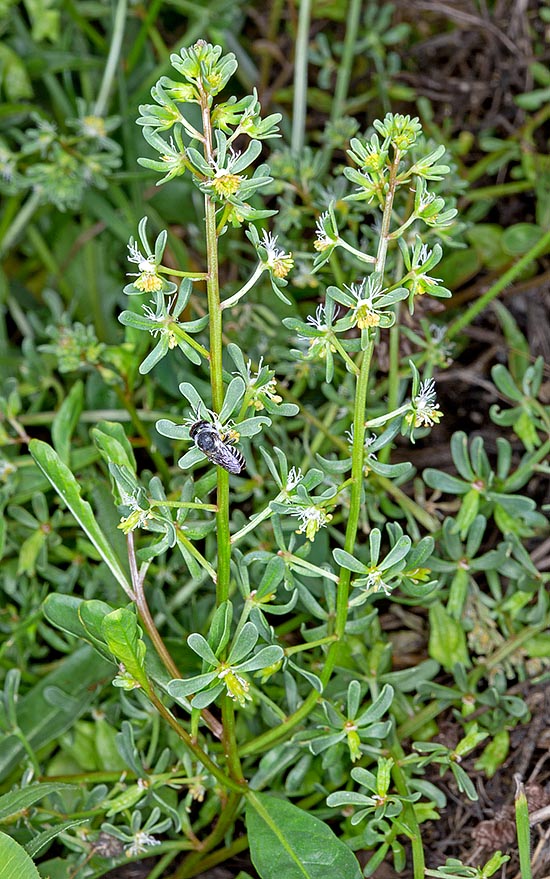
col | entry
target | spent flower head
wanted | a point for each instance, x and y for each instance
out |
(425, 412)
(277, 261)
(312, 519)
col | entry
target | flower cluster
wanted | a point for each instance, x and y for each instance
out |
(225, 674)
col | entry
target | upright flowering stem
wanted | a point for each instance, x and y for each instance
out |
(278, 733)
(216, 349)
(216, 383)
(358, 448)
(357, 464)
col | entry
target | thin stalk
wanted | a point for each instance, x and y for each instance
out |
(296, 562)
(185, 337)
(145, 613)
(357, 464)
(192, 550)
(183, 505)
(352, 366)
(507, 278)
(274, 735)
(153, 632)
(409, 815)
(115, 45)
(216, 366)
(260, 517)
(362, 257)
(227, 303)
(194, 863)
(92, 416)
(152, 10)
(161, 866)
(346, 61)
(195, 276)
(196, 749)
(20, 221)
(299, 106)
(299, 648)
(229, 740)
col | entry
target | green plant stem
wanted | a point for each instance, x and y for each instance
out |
(149, 624)
(507, 278)
(274, 735)
(20, 222)
(185, 337)
(357, 464)
(229, 740)
(409, 815)
(145, 613)
(152, 10)
(497, 190)
(216, 366)
(299, 106)
(161, 866)
(219, 857)
(350, 364)
(192, 550)
(231, 300)
(183, 505)
(299, 648)
(195, 863)
(362, 257)
(195, 276)
(195, 748)
(92, 416)
(115, 44)
(260, 517)
(295, 561)
(338, 108)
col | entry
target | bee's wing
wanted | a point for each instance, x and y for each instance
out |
(230, 459)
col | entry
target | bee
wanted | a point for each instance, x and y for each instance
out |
(216, 448)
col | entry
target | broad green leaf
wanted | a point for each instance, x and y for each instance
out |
(43, 718)
(122, 634)
(39, 842)
(18, 800)
(14, 860)
(66, 612)
(287, 842)
(111, 440)
(447, 638)
(68, 489)
(66, 420)
(345, 560)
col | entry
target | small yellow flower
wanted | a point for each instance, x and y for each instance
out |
(137, 519)
(313, 518)
(94, 126)
(322, 244)
(366, 316)
(428, 417)
(226, 184)
(232, 436)
(148, 282)
(237, 686)
(282, 265)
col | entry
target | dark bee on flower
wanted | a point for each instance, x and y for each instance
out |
(216, 448)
